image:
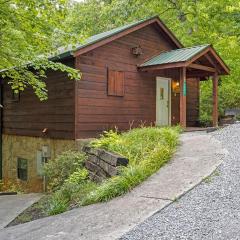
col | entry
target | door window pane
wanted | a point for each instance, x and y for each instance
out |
(161, 93)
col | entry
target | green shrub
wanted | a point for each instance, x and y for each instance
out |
(68, 195)
(59, 169)
(137, 143)
(57, 204)
(106, 140)
(78, 176)
(11, 186)
(147, 148)
(238, 117)
(228, 97)
(1, 186)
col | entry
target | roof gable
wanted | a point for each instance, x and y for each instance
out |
(174, 56)
(106, 37)
(183, 57)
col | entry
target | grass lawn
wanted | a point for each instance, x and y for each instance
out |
(147, 148)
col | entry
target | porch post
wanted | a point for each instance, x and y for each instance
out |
(215, 100)
(183, 94)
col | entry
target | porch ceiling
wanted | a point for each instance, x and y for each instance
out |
(199, 60)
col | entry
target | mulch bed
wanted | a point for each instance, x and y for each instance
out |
(34, 212)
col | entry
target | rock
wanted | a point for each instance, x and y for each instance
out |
(102, 164)
(113, 158)
(94, 177)
(92, 167)
(112, 171)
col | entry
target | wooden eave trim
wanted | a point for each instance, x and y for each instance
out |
(198, 74)
(162, 66)
(198, 55)
(218, 58)
(212, 63)
(127, 31)
(202, 67)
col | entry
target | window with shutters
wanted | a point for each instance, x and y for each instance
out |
(115, 83)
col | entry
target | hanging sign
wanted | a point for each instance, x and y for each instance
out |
(184, 88)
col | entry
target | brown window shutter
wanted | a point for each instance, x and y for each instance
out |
(111, 82)
(115, 83)
(119, 84)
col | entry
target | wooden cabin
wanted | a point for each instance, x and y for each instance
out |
(133, 75)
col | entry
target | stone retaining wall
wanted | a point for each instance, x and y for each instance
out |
(103, 164)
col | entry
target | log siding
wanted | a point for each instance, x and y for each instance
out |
(29, 116)
(83, 109)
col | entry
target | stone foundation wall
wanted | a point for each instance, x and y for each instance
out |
(15, 147)
(102, 164)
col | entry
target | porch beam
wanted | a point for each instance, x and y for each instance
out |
(202, 67)
(224, 66)
(212, 62)
(183, 97)
(192, 75)
(215, 79)
(161, 66)
(199, 55)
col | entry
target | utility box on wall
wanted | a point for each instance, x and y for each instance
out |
(46, 153)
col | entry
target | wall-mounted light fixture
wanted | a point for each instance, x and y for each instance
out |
(175, 87)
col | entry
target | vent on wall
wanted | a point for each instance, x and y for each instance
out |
(137, 51)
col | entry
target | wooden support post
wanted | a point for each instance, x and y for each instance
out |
(183, 97)
(215, 100)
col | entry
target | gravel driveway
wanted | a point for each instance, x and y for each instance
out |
(209, 211)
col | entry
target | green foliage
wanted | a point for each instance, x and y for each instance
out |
(28, 33)
(67, 180)
(30, 30)
(147, 148)
(68, 196)
(205, 103)
(10, 186)
(230, 95)
(137, 143)
(57, 204)
(238, 117)
(78, 176)
(62, 167)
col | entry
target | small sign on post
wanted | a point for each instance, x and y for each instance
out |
(184, 88)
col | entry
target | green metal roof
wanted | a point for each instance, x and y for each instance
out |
(174, 56)
(110, 33)
(67, 51)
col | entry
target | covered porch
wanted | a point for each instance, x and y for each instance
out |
(187, 66)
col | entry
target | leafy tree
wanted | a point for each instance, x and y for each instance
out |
(28, 29)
